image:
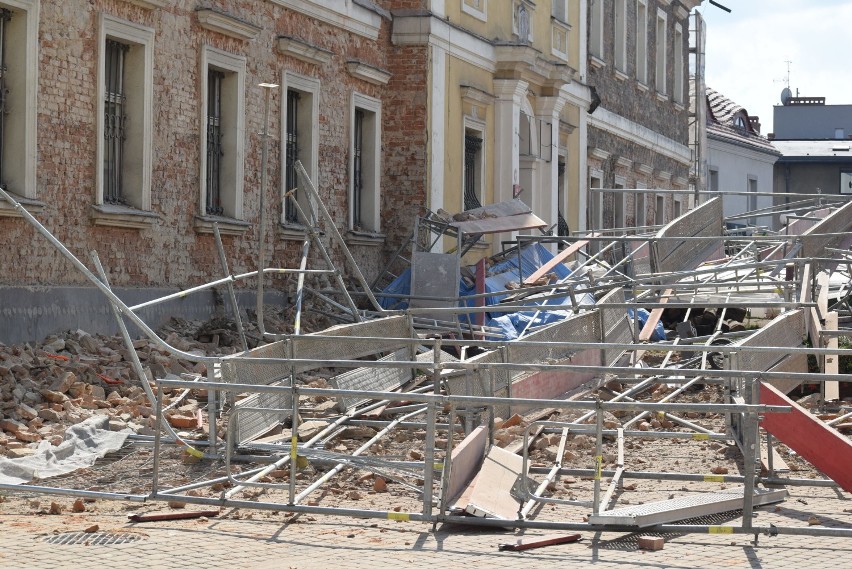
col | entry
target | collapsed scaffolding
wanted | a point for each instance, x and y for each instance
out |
(436, 368)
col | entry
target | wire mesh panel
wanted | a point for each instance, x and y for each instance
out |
(818, 237)
(671, 254)
(641, 259)
(615, 325)
(274, 406)
(380, 378)
(241, 369)
(369, 337)
(784, 331)
(583, 327)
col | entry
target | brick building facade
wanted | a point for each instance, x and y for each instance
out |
(122, 114)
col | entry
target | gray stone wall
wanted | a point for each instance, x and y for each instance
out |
(625, 96)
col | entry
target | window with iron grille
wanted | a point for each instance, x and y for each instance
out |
(358, 167)
(215, 152)
(291, 153)
(562, 229)
(472, 149)
(5, 16)
(115, 121)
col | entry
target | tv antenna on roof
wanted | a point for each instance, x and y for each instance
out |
(786, 93)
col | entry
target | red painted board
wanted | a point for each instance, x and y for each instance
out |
(532, 542)
(815, 441)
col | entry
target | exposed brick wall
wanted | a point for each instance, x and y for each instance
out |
(172, 253)
(405, 130)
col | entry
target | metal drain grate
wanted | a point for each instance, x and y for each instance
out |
(96, 538)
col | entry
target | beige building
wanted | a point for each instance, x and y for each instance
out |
(501, 104)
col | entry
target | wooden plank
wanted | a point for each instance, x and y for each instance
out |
(815, 441)
(492, 497)
(814, 332)
(778, 464)
(822, 293)
(532, 542)
(558, 258)
(499, 224)
(831, 389)
(465, 461)
(656, 313)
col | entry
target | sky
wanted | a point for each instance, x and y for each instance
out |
(747, 51)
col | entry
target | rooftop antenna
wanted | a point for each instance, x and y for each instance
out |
(786, 92)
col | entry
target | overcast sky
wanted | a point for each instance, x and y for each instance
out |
(747, 51)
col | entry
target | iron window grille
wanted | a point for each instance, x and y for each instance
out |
(357, 169)
(562, 229)
(214, 142)
(291, 154)
(115, 122)
(472, 147)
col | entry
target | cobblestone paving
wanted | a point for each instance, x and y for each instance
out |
(263, 540)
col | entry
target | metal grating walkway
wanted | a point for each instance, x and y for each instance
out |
(685, 507)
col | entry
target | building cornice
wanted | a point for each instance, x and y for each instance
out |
(226, 24)
(150, 4)
(352, 17)
(626, 129)
(367, 72)
(423, 28)
(303, 51)
(474, 96)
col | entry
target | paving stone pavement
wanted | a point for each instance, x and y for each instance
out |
(271, 541)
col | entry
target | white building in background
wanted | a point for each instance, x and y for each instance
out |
(739, 159)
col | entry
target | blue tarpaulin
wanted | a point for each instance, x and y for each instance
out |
(498, 276)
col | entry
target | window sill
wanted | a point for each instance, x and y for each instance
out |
(679, 107)
(621, 75)
(641, 86)
(122, 216)
(227, 225)
(292, 231)
(29, 204)
(662, 97)
(596, 62)
(364, 238)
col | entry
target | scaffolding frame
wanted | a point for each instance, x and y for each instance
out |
(773, 261)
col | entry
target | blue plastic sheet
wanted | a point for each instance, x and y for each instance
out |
(498, 276)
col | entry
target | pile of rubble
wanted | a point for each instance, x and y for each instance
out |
(66, 379)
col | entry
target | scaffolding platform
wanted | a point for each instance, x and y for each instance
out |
(683, 508)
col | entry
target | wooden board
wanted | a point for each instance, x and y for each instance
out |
(465, 461)
(648, 329)
(815, 441)
(778, 464)
(491, 496)
(558, 258)
(499, 224)
(535, 541)
(831, 365)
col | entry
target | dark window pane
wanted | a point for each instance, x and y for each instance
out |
(291, 151)
(214, 142)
